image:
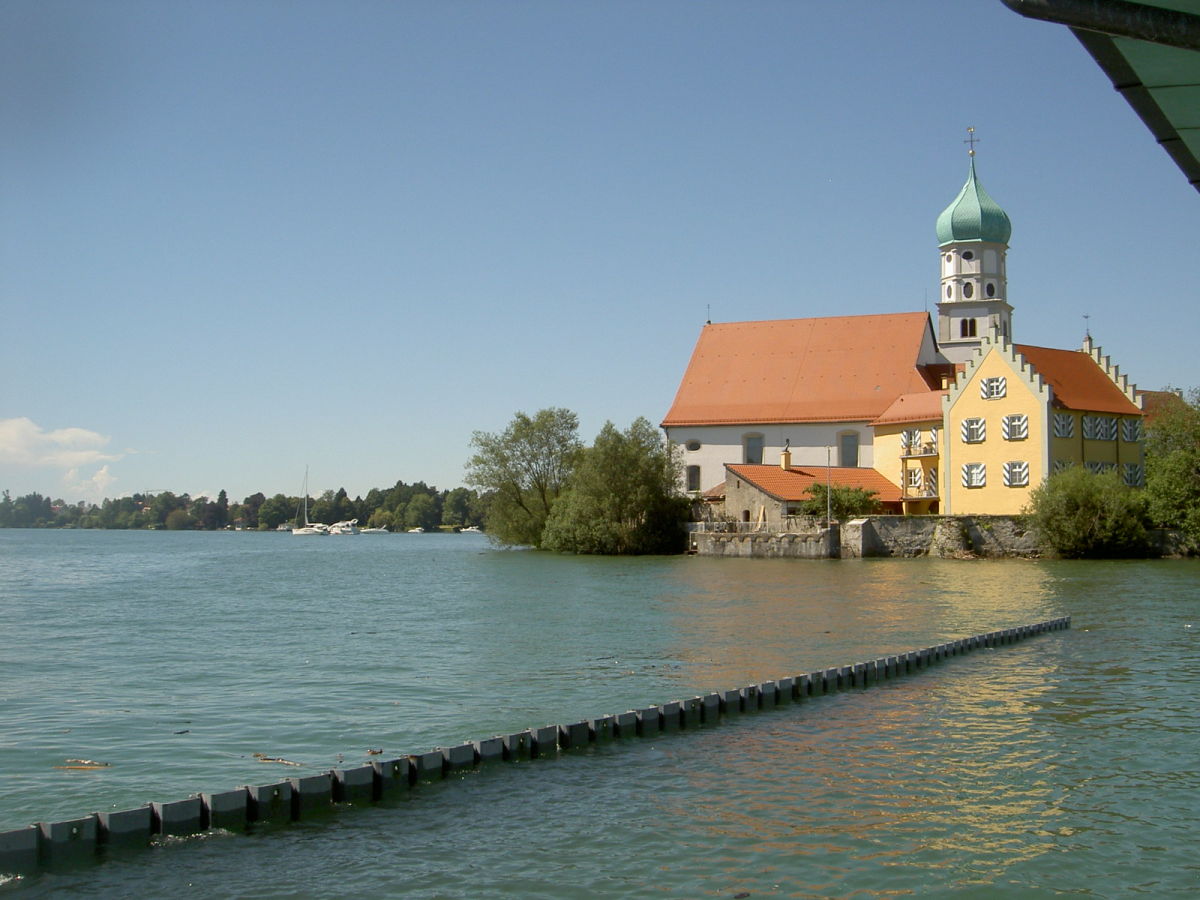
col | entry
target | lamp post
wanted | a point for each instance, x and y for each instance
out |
(828, 490)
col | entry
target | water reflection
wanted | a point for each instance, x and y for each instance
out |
(737, 621)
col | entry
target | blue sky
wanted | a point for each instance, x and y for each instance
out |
(239, 237)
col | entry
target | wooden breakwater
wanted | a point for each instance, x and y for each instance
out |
(47, 844)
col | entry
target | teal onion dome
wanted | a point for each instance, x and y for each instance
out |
(973, 216)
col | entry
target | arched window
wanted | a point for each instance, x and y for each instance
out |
(966, 328)
(693, 479)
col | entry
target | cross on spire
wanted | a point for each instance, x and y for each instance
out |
(972, 140)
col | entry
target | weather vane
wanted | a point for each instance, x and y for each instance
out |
(1087, 331)
(972, 140)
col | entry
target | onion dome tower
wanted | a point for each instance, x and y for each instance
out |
(972, 235)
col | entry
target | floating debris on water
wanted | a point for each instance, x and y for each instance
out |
(84, 764)
(262, 757)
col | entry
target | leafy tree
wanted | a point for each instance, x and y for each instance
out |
(525, 468)
(178, 520)
(843, 502)
(1077, 514)
(622, 498)
(456, 507)
(422, 512)
(249, 509)
(274, 512)
(1173, 466)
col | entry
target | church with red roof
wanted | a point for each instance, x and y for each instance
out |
(934, 415)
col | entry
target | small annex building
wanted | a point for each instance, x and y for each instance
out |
(946, 416)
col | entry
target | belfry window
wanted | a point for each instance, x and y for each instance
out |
(968, 290)
(991, 289)
(966, 328)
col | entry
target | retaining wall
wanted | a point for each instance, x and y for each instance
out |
(25, 850)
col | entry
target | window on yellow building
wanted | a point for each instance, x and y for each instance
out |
(1016, 427)
(974, 431)
(1099, 428)
(974, 475)
(1064, 425)
(993, 388)
(1135, 475)
(1131, 430)
(1016, 474)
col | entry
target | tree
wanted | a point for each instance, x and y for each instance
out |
(422, 512)
(842, 502)
(1173, 466)
(456, 508)
(525, 468)
(274, 512)
(622, 498)
(1077, 514)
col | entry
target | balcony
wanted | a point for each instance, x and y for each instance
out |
(919, 493)
(913, 451)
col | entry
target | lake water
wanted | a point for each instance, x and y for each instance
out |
(1068, 763)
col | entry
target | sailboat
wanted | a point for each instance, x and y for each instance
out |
(308, 527)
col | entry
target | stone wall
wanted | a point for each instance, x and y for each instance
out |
(900, 536)
(943, 537)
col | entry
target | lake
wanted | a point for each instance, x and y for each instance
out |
(1066, 763)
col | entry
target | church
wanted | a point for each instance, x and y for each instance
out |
(944, 415)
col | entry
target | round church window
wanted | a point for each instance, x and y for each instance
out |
(968, 290)
(991, 290)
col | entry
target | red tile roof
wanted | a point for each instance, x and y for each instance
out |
(793, 484)
(1154, 403)
(1078, 382)
(841, 368)
(923, 407)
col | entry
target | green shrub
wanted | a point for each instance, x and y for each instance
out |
(845, 502)
(1080, 515)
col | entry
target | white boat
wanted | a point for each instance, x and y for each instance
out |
(308, 528)
(472, 529)
(417, 530)
(382, 529)
(350, 526)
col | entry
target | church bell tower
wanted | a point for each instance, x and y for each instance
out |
(972, 234)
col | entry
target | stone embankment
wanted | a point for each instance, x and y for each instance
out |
(941, 537)
(947, 537)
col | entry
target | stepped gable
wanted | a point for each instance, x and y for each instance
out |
(839, 368)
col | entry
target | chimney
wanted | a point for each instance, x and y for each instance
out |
(785, 459)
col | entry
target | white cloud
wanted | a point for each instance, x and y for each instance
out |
(94, 488)
(25, 443)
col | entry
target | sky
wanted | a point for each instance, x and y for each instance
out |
(239, 238)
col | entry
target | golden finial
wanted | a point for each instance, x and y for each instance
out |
(972, 140)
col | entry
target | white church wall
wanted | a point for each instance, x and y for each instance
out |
(716, 445)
